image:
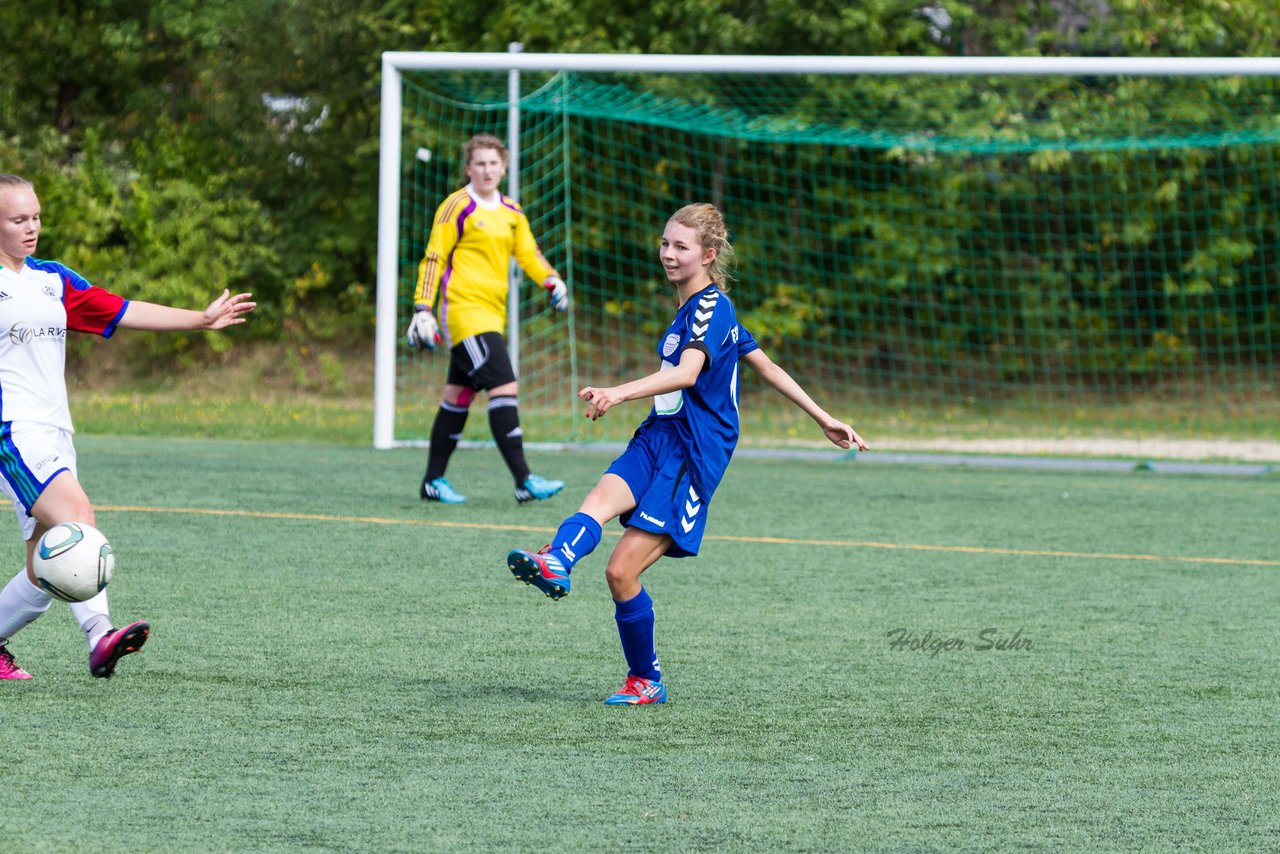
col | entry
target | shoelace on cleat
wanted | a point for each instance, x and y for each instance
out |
(7, 659)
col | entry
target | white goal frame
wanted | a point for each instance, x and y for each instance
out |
(395, 63)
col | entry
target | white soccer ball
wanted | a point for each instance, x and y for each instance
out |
(73, 562)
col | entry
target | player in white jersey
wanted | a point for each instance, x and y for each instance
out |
(40, 301)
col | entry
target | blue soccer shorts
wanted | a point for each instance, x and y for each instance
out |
(655, 467)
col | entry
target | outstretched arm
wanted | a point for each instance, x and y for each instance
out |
(224, 311)
(600, 400)
(837, 431)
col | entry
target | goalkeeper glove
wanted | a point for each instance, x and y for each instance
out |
(424, 332)
(557, 292)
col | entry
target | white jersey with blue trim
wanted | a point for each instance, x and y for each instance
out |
(38, 305)
(706, 412)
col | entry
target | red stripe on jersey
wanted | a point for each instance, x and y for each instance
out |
(90, 308)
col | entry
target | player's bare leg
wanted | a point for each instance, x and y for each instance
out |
(64, 500)
(636, 551)
(22, 601)
(608, 499)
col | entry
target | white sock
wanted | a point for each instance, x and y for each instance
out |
(94, 618)
(20, 603)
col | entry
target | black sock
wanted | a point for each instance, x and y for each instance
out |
(444, 438)
(504, 421)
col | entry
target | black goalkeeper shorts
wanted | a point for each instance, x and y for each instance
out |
(481, 362)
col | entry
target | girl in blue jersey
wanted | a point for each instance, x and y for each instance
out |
(40, 301)
(662, 485)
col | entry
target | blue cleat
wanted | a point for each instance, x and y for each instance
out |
(639, 692)
(541, 569)
(441, 490)
(537, 488)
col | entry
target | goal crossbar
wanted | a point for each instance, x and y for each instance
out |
(880, 65)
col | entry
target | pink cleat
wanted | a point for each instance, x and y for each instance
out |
(9, 668)
(116, 644)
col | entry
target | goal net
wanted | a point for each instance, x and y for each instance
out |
(1029, 262)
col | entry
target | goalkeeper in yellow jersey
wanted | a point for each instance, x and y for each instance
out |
(475, 233)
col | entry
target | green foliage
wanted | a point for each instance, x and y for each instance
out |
(155, 238)
(1054, 232)
(182, 146)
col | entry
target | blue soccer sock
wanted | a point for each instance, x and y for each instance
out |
(575, 539)
(635, 630)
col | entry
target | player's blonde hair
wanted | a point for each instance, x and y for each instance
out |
(15, 181)
(479, 141)
(708, 222)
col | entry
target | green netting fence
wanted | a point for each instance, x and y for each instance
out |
(1058, 264)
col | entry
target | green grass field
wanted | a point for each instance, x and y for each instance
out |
(337, 667)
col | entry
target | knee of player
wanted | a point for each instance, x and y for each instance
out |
(464, 399)
(620, 573)
(83, 512)
(64, 501)
(511, 390)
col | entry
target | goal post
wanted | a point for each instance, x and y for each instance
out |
(1025, 266)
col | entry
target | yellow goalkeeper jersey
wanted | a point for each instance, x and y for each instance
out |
(467, 261)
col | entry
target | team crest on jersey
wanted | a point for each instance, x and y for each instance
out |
(49, 292)
(669, 346)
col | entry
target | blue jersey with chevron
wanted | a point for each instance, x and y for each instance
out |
(706, 413)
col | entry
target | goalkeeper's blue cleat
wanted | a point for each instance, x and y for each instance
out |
(639, 692)
(537, 488)
(541, 569)
(441, 490)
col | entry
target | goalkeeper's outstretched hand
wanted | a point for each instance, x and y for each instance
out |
(557, 292)
(424, 332)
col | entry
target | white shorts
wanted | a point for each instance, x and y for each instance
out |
(32, 455)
